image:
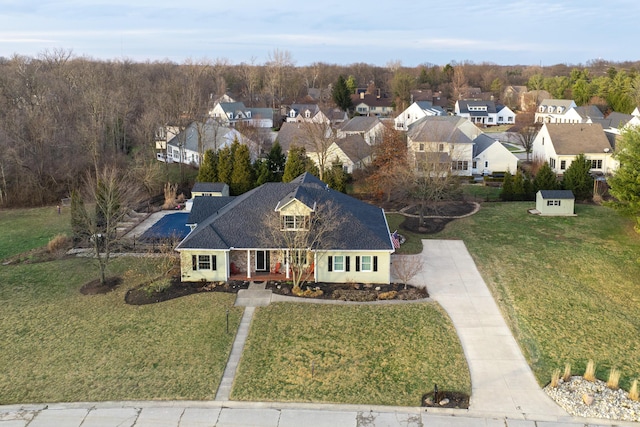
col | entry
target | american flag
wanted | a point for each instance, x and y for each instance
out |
(395, 239)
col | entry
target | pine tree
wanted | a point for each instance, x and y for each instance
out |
(625, 184)
(275, 162)
(518, 186)
(507, 187)
(242, 175)
(209, 168)
(336, 177)
(578, 179)
(545, 179)
(262, 172)
(297, 164)
(341, 95)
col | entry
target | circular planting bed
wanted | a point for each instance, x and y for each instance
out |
(446, 399)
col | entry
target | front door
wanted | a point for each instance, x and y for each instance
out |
(262, 260)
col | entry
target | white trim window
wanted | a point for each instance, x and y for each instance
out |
(366, 263)
(338, 263)
(294, 222)
(203, 262)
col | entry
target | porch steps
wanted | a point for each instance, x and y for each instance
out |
(234, 358)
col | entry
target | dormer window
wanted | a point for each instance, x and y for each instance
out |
(248, 114)
(560, 109)
(307, 114)
(541, 109)
(550, 110)
(294, 222)
(230, 115)
(292, 113)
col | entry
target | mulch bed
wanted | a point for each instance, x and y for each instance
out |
(142, 295)
(447, 208)
(94, 287)
(446, 399)
(353, 291)
(434, 225)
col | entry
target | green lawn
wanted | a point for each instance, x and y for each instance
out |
(59, 345)
(26, 229)
(567, 286)
(358, 354)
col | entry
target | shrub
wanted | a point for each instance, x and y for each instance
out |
(387, 295)
(614, 379)
(59, 243)
(307, 293)
(567, 372)
(633, 393)
(590, 371)
(158, 286)
(555, 377)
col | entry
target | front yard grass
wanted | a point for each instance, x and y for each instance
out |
(568, 286)
(354, 354)
(59, 345)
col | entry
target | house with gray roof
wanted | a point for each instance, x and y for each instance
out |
(352, 151)
(415, 112)
(370, 127)
(443, 143)
(245, 237)
(485, 113)
(557, 111)
(489, 156)
(230, 113)
(306, 113)
(560, 143)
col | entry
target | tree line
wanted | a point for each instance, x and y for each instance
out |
(62, 115)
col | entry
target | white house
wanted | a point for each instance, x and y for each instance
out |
(306, 113)
(352, 151)
(560, 143)
(491, 156)
(230, 113)
(415, 112)
(485, 112)
(557, 111)
(371, 128)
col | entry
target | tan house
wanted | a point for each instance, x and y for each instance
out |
(240, 239)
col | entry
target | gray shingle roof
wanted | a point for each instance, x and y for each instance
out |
(465, 104)
(355, 147)
(557, 194)
(439, 129)
(204, 206)
(481, 143)
(215, 187)
(240, 224)
(577, 138)
(360, 124)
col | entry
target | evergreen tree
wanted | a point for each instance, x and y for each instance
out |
(518, 186)
(529, 194)
(242, 174)
(209, 168)
(625, 184)
(297, 164)
(225, 165)
(336, 177)
(262, 172)
(341, 95)
(275, 162)
(545, 179)
(507, 187)
(578, 179)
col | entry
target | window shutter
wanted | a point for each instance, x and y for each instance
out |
(347, 263)
(375, 263)
(214, 262)
(194, 262)
(330, 263)
(357, 263)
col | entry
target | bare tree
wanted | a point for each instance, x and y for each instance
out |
(526, 131)
(112, 193)
(318, 138)
(306, 238)
(278, 64)
(406, 267)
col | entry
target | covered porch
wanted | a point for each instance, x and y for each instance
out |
(266, 264)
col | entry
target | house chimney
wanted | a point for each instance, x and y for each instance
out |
(361, 95)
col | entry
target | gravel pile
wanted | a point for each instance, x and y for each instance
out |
(602, 402)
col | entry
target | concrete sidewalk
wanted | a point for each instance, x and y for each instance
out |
(247, 414)
(501, 380)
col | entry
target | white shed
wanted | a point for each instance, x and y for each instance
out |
(555, 203)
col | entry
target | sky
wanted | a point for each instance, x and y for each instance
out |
(336, 32)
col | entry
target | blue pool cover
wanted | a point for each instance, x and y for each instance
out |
(170, 225)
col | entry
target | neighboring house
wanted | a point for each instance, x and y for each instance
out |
(187, 146)
(436, 98)
(200, 208)
(588, 113)
(415, 112)
(233, 236)
(367, 104)
(615, 122)
(513, 97)
(306, 113)
(560, 143)
(484, 112)
(352, 151)
(212, 189)
(444, 143)
(555, 203)
(230, 113)
(371, 129)
(302, 134)
(491, 156)
(557, 111)
(336, 116)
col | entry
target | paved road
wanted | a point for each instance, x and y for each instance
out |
(504, 390)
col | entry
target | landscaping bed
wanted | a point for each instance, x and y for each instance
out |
(157, 292)
(351, 291)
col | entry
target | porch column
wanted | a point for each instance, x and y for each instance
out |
(248, 264)
(227, 263)
(286, 263)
